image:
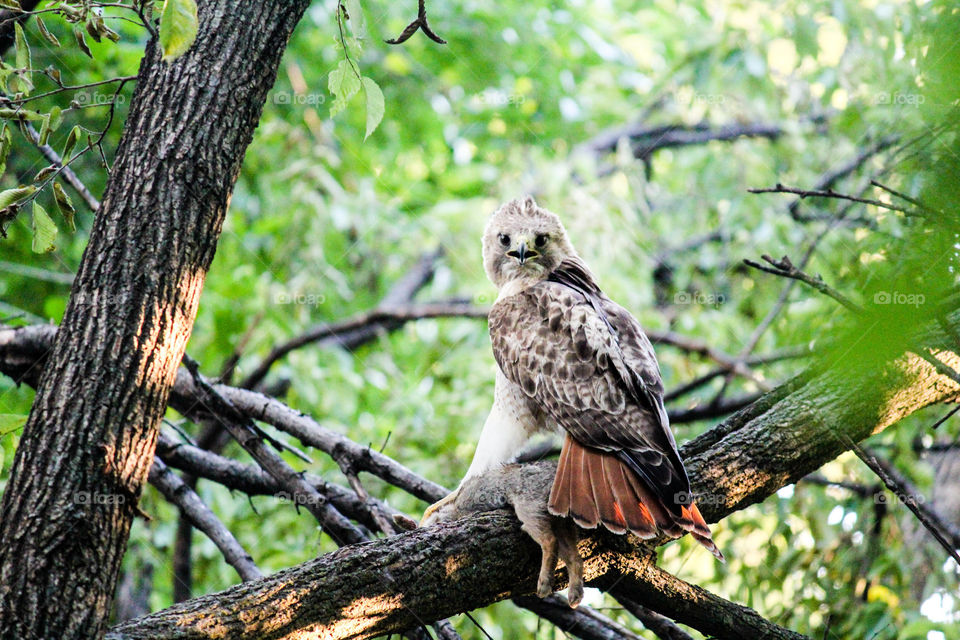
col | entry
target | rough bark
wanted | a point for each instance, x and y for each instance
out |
(471, 563)
(89, 441)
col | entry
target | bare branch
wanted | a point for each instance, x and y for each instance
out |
(201, 517)
(732, 365)
(251, 438)
(661, 626)
(830, 178)
(375, 319)
(786, 269)
(642, 579)
(942, 531)
(583, 623)
(830, 193)
(799, 351)
(419, 24)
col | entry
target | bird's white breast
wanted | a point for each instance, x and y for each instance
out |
(511, 423)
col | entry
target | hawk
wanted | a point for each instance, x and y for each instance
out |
(570, 357)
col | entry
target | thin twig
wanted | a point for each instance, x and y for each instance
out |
(830, 193)
(786, 269)
(377, 318)
(419, 24)
(904, 196)
(201, 517)
(909, 495)
(830, 178)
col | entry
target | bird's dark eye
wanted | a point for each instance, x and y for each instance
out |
(541, 240)
(504, 239)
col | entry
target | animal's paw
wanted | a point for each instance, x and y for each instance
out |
(545, 586)
(575, 594)
(438, 511)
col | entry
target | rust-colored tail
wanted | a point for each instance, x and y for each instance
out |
(595, 487)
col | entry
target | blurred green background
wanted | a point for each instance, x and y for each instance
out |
(322, 222)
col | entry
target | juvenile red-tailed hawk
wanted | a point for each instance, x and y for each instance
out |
(569, 356)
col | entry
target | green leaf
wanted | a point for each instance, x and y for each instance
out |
(46, 172)
(178, 27)
(23, 59)
(56, 118)
(44, 230)
(343, 83)
(5, 143)
(49, 37)
(71, 142)
(20, 114)
(23, 50)
(65, 205)
(81, 41)
(357, 23)
(12, 196)
(374, 97)
(10, 422)
(44, 130)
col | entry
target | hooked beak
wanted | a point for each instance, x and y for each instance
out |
(522, 253)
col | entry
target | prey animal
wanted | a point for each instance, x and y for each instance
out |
(525, 488)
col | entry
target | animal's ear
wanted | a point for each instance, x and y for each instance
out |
(403, 522)
(529, 203)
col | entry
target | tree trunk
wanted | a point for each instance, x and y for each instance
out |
(89, 441)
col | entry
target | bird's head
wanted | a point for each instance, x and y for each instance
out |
(523, 242)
